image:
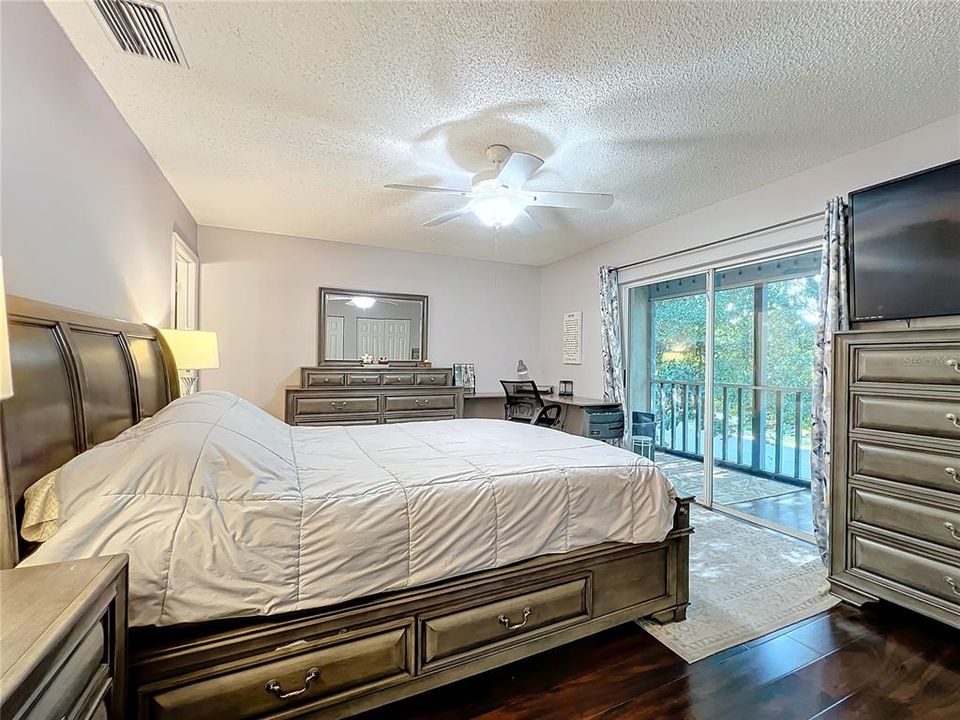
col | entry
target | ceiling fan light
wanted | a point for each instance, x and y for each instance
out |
(494, 210)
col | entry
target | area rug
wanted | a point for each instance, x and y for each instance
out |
(745, 581)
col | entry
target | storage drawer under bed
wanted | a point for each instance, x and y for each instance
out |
(330, 672)
(480, 628)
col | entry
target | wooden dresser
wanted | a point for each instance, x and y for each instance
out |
(372, 395)
(64, 632)
(895, 521)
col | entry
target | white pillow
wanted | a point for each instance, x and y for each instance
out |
(41, 509)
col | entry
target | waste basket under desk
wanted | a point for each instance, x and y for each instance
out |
(575, 409)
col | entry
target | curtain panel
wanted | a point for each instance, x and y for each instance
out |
(611, 348)
(833, 317)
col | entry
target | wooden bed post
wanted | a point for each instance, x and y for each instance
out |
(681, 522)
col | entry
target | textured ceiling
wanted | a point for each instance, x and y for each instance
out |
(292, 116)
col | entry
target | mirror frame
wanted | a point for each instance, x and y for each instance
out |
(322, 325)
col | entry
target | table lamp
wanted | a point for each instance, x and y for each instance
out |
(192, 350)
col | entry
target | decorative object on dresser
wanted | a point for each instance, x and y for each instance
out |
(192, 350)
(895, 524)
(384, 327)
(63, 629)
(465, 376)
(371, 395)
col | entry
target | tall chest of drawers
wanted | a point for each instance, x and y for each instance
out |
(372, 395)
(895, 498)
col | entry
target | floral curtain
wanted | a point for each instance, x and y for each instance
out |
(833, 316)
(610, 344)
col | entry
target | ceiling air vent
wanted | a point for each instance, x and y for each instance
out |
(141, 27)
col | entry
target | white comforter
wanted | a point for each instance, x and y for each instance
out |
(226, 511)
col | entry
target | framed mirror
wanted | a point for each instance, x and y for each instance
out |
(354, 323)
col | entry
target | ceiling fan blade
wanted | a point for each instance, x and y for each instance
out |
(576, 200)
(424, 188)
(518, 168)
(446, 217)
(526, 223)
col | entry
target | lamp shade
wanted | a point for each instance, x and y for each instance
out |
(193, 349)
(6, 380)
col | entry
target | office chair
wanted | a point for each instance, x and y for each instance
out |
(524, 404)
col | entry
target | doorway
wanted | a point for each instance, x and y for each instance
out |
(719, 385)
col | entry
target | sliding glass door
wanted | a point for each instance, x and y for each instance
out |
(667, 357)
(757, 353)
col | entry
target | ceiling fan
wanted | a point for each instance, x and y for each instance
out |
(497, 196)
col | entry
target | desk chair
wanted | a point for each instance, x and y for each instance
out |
(524, 404)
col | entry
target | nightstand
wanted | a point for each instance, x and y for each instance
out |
(63, 636)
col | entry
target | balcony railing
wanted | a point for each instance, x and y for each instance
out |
(761, 429)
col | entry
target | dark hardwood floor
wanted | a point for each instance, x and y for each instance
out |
(879, 664)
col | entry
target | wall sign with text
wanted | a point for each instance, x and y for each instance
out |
(572, 338)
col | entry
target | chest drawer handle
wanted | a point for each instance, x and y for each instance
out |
(952, 530)
(338, 404)
(954, 419)
(952, 362)
(422, 403)
(953, 585)
(952, 472)
(505, 621)
(273, 687)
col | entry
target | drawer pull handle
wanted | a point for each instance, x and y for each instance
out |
(953, 585)
(952, 530)
(952, 362)
(273, 687)
(338, 404)
(422, 403)
(952, 472)
(954, 419)
(505, 621)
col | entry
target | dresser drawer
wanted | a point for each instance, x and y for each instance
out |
(62, 695)
(479, 628)
(933, 577)
(398, 403)
(336, 420)
(912, 415)
(398, 378)
(324, 675)
(434, 378)
(334, 405)
(917, 467)
(929, 364)
(926, 522)
(324, 379)
(420, 417)
(363, 378)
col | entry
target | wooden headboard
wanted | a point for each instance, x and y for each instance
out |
(78, 380)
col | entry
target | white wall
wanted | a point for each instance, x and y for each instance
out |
(259, 293)
(87, 217)
(571, 284)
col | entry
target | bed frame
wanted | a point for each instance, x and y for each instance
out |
(81, 379)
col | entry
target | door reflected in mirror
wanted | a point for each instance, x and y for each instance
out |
(355, 323)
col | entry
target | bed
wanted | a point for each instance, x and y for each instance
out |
(318, 572)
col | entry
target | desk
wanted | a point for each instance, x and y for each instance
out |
(490, 405)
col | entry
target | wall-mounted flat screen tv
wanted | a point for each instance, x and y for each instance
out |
(905, 246)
